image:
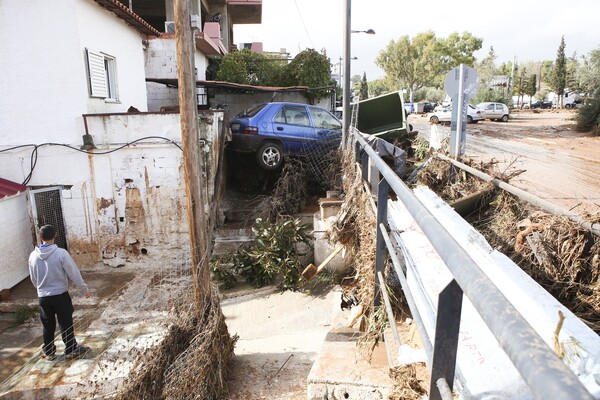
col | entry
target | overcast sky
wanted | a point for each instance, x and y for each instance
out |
(527, 29)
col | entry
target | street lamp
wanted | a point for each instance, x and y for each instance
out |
(368, 32)
(346, 91)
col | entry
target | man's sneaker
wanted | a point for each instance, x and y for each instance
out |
(49, 357)
(78, 352)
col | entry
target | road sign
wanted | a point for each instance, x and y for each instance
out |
(469, 82)
(461, 84)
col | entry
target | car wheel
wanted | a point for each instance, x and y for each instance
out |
(469, 119)
(269, 156)
(434, 119)
(567, 106)
(505, 118)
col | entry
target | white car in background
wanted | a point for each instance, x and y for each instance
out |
(494, 111)
(445, 115)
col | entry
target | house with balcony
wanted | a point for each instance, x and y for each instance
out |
(77, 120)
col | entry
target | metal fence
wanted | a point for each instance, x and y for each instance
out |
(545, 374)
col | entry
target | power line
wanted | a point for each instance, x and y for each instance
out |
(303, 24)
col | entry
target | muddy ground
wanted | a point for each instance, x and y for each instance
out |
(561, 165)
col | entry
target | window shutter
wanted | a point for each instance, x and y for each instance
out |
(97, 74)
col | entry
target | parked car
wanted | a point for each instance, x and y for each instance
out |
(429, 107)
(494, 111)
(276, 130)
(445, 115)
(541, 104)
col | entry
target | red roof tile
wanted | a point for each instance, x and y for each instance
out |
(9, 188)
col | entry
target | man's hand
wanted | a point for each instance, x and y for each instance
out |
(88, 293)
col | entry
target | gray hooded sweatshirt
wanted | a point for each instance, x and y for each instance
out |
(50, 267)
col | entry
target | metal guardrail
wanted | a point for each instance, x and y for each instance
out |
(545, 374)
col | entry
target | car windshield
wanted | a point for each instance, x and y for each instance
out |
(251, 111)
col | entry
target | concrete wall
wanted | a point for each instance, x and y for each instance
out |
(239, 102)
(161, 63)
(16, 241)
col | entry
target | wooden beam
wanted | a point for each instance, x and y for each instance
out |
(191, 163)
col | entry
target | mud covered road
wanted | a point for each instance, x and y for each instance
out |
(561, 165)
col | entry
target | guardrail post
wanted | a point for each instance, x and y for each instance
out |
(364, 163)
(446, 337)
(382, 206)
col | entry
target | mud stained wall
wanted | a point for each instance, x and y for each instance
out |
(16, 241)
(139, 190)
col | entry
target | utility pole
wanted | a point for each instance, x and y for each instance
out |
(346, 89)
(188, 111)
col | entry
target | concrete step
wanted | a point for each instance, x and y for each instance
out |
(342, 371)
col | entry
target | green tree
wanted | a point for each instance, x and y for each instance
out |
(520, 86)
(531, 88)
(378, 87)
(486, 68)
(589, 72)
(364, 88)
(558, 81)
(250, 68)
(424, 59)
(310, 68)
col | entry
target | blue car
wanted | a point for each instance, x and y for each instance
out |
(275, 130)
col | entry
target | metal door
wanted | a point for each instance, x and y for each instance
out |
(47, 210)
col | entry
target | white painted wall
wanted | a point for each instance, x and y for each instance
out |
(16, 242)
(99, 29)
(161, 63)
(42, 73)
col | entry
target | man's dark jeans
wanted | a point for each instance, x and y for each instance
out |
(52, 308)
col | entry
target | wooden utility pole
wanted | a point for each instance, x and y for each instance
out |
(188, 111)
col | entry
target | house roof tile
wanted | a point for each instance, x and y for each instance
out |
(128, 16)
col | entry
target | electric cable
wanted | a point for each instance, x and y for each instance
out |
(34, 153)
(303, 24)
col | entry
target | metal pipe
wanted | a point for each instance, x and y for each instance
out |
(408, 296)
(388, 309)
(533, 199)
(548, 377)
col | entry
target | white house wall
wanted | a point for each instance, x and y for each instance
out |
(100, 30)
(16, 241)
(42, 73)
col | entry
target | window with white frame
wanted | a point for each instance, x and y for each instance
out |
(102, 75)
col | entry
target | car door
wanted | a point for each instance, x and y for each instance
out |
(328, 129)
(292, 126)
(489, 112)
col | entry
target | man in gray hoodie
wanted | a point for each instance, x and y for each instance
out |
(50, 268)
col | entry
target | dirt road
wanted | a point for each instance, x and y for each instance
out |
(562, 166)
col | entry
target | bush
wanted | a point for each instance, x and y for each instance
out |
(497, 96)
(588, 117)
(274, 255)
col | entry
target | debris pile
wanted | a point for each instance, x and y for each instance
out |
(559, 254)
(191, 361)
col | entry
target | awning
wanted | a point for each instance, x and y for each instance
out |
(10, 188)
